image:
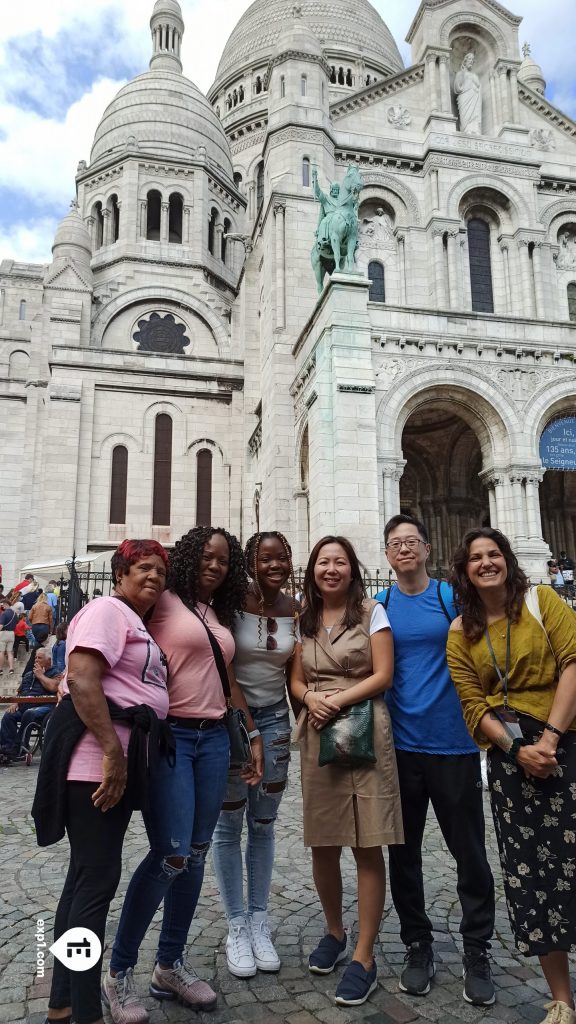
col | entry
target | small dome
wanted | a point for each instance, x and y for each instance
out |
(167, 7)
(354, 28)
(530, 72)
(297, 35)
(72, 238)
(165, 116)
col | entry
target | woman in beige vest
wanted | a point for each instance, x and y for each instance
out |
(346, 656)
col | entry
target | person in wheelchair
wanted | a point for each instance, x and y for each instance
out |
(40, 681)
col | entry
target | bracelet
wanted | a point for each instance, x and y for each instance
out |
(303, 701)
(552, 728)
(512, 753)
(254, 734)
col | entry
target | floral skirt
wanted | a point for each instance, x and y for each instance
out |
(535, 822)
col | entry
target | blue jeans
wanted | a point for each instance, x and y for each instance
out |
(14, 723)
(185, 801)
(260, 803)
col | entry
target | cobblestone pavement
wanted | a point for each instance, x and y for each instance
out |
(32, 880)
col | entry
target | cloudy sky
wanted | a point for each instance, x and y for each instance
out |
(62, 62)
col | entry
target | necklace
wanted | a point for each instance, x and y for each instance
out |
(203, 614)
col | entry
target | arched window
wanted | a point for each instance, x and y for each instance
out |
(333, 75)
(212, 228)
(98, 225)
(258, 85)
(480, 266)
(153, 208)
(572, 301)
(306, 172)
(282, 87)
(241, 94)
(161, 497)
(223, 245)
(259, 186)
(114, 214)
(303, 85)
(119, 484)
(235, 97)
(217, 111)
(204, 487)
(229, 101)
(175, 214)
(22, 309)
(238, 180)
(341, 78)
(349, 79)
(376, 275)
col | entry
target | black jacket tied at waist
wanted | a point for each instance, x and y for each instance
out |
(150, 738)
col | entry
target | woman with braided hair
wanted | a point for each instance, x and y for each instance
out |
(206, 586)
(265, 632)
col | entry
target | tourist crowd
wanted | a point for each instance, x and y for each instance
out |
(175, 701)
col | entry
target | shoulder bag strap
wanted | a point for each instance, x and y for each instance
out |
(386, 600)
(532, 601)
(218, 657)
(442, 602)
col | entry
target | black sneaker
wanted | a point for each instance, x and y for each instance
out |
(419, 969)
(478, 984)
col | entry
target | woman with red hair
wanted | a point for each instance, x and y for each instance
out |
(98, 745)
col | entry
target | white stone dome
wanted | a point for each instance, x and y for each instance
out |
(351, 26)
(297, 35)
(530, 72)
(72, 238)
(163, 115)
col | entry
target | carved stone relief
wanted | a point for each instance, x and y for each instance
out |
(399, 116)
(161, 334)
(542, 138)
(376, 233)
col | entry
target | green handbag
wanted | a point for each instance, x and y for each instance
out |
(348, 739)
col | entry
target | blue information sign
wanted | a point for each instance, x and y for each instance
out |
(558, 444)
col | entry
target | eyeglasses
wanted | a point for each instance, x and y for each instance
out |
(271, 628)
(410, 542)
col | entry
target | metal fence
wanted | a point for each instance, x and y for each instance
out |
(78, 588)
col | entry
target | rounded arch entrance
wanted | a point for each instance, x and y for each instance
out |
(452, 441)
(441, 483)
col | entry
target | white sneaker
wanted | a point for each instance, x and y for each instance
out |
(559, 1013)
(265, 956)
(239, 955)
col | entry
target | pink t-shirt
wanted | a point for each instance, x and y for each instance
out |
(136, 673)
(194, 685)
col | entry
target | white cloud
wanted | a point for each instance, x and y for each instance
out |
(29, 242)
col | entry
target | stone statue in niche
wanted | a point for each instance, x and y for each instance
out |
(337, 230)
(376, 232)
(469, 97)
(567, 255)
(161, 334)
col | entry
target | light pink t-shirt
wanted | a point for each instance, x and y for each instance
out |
(194, 685)
(136, 673)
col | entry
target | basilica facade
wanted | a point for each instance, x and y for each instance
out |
(174, 364)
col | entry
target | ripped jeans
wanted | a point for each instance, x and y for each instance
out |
(260, 804)
(185, 801)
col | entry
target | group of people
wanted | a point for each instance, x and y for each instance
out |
(561, 572)
(394, 697)
(27, 612)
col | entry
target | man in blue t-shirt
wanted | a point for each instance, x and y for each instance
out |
(438, 762)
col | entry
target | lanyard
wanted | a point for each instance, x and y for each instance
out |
(503, 678)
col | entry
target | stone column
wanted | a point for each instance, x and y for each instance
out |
(280, 215)
(495, 484)
(445, 102)
(453, 275)
(391, 471)
(439, 268)
(503, 88)
(537, 264)
(465, 271)
(526, 279)
(492, 504)
(91, 225)
(164, 221)
(186, 226)
(432, 82)
(532, 494)
(401, 239)
(435, 189)
(107, 228)
(517, 510)
(218, 232)
(496, 116)
(143, 217)
(514, 96)
(251, 201)
(506, 266)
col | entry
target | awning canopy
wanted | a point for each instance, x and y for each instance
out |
(53, 569)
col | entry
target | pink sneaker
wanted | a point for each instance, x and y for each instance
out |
(120, 996)
(179, 982)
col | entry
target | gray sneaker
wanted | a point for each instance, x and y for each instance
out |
(120, 996)
(419, 970)
(179, 982)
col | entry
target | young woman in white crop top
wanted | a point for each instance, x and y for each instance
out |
(264, 633)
